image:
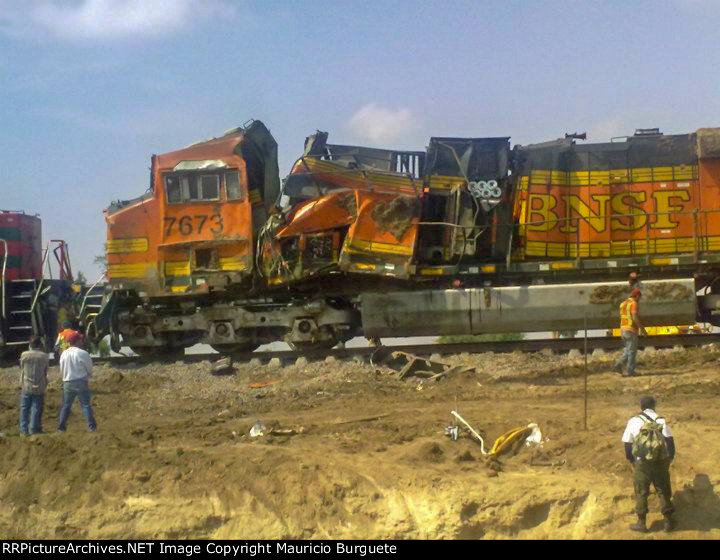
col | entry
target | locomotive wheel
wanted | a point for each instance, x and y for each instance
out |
(230, 349)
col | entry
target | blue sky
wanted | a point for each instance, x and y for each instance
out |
(89, 89)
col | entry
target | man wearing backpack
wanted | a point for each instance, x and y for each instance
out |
(650, 448)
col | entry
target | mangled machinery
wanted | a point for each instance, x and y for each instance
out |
(470, 236)
(33, 303)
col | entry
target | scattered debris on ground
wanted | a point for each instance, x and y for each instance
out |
(338, 450)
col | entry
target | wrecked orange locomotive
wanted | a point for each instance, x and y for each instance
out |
(469, 236)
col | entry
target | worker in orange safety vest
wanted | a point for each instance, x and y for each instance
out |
(63, 340)
(630, 327)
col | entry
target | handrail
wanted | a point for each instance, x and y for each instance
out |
(42, 278)
(2, 279)
(87, 294)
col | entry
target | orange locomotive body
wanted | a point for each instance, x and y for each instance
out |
(469, 236)
(650, 194)
(193, 231)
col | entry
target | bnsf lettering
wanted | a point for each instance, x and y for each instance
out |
(187, 225)
(547, 212)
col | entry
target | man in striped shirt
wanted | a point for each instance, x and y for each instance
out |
(33, 381)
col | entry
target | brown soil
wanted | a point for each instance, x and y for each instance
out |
(352, 452)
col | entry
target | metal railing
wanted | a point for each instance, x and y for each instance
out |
(2, 279)
(88, 293)
(42, 279)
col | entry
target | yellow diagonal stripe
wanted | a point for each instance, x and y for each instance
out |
(632, 175)
(129, 245)
(177, 268)
(375, 247)
(233, 263)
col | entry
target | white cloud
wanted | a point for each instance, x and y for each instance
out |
(379, 125)
(105, 19)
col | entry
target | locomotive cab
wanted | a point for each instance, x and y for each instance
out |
(194, 231)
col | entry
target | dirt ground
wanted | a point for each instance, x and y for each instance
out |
(367, 458)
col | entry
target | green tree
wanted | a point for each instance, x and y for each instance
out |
(495, 337)
(80, 278)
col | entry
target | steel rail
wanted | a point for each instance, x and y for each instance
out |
(559, 345)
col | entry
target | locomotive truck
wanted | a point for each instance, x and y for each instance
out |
(469, 236)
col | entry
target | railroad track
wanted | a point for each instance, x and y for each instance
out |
(559, 345)
(555, 344)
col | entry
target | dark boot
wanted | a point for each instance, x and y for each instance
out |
(640, 526)
(669, 522)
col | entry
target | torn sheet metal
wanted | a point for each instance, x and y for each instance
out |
(409, 365)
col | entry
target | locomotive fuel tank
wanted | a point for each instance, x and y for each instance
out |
(523, 308)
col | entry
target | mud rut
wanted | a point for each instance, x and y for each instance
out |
(367, 458)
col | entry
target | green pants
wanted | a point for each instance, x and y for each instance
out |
(658, 474)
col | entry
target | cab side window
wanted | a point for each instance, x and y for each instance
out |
(232, 186)
(209, 187)
(192, 188)
(172, 188)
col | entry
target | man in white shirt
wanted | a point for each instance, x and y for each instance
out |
(650, 448)
(76, 369)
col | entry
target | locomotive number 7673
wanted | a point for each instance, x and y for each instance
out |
(187, 225)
